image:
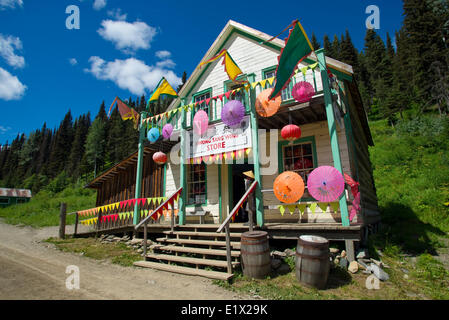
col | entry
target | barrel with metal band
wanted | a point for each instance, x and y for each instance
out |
(312, 261)
(255, 254)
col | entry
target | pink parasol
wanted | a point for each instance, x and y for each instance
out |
(232, 113)
(326, 184)
(303, 91)
(200, 122)
(167, 130)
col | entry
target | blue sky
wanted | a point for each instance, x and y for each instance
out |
(123, 48)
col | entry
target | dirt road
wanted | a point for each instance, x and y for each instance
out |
(33, 269)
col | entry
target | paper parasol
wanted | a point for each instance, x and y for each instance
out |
(288, 187)
(167, 130)
(303, 91)
(200, 122)
(266, 108)
(153, 135)
(232, 113)
(326, 184)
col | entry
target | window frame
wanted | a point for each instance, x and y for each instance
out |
(194, 96)
(290, 86)
(189, 184)
(5, 203)
(281, 146)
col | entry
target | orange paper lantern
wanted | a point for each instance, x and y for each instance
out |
(288, 187)
(266, 108)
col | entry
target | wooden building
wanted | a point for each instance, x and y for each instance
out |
(14, 196)
(335, 132)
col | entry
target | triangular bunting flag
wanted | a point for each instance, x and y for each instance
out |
(263, 83)
(302, 207)
(282, 209)
(291, 208)
(313, 207)
(323, 206)
(335, 206)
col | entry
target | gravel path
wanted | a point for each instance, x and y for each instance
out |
(32, 269)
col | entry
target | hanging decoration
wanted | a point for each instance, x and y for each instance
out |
(326, 184)
(265, 107)
(291, 132)
(153, 135)
(159, 157)
(303, 92)
(200, 122)
(126, 112)
(231, 68)
(288, 187)
(163, 88)
(167, 131)
(232, 113)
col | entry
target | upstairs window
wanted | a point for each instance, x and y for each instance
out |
(286, 94)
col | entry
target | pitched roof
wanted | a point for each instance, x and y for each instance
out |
(16, 193)
(260, 36)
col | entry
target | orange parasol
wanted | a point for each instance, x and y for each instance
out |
(288, 187)
(266, 108)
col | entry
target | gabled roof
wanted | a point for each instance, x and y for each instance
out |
(254, 34)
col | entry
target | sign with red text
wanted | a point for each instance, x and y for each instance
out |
(221, 138)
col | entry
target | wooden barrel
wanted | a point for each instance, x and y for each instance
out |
(255, 254)
(312, 261)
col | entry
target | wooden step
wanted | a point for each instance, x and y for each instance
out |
(185, 270)
(211, 252)
(195, 261)
(203, 234)
(235, 245)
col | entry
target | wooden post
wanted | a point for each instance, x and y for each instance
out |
(62, 220)
(332, 130)
(145, 241)
(99, 215)
(349, 244)
(255, 143)
(228, 248)
(251, 216)
(172, 222)
(76, 224)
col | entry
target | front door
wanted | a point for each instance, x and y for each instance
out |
(238, 188)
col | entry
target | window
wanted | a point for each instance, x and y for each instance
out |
(239, 95)
(202, 97)
(196, 184)
(21, 200)
(299, 158)
(4, 201)
(286, 93)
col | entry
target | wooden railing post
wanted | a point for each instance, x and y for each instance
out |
(62, 220)
(99, 215)
(228, 248)
(76, 224)
(251, 215)
(172, 222)
(145, 229)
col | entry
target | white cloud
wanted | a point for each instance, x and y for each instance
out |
(169, 64)
(73, 61)
(128, 37)
(3, 129)
(10, 4)
(10, 87)
(117, 14)
(131, 74)
(8, 46)
(162, 54)
(99, 4)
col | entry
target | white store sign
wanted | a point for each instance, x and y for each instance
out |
(221, 138)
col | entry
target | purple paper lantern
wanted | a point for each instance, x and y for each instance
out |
(232, 113)
(303, 92)
(167, 130)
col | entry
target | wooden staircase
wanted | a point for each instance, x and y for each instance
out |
(195, 250)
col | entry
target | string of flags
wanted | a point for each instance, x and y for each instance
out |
(311, 206)
(127, 215)
(238, 154)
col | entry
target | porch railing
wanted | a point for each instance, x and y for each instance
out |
(225, 224)
(144, 222)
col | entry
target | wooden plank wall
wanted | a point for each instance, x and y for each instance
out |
(369, 201)
(122, 186)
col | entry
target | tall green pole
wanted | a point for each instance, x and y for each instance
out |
(332, 130)
(183, 168)
(255, 142)
(136, 217)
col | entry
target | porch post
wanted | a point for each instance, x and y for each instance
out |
(183, 169)
(255, 141)
(332, 130)
(136, 217)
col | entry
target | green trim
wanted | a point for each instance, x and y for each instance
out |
(220, 205)
(164, 183)
(139, 170)
(265, 70)
(332, 131)
(182, 173)
(230, 191)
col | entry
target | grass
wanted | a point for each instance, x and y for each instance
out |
(44, 208)
(117, 253)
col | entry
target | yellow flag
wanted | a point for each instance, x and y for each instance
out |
(163, 88)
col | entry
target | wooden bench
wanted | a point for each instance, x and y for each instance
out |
(197, 212)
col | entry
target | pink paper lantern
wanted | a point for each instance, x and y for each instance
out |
(303, 92)
(200, 122)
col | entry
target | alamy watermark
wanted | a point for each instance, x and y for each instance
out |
(373, 20)
(372, 283)
(73, 280)
(73, 20)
